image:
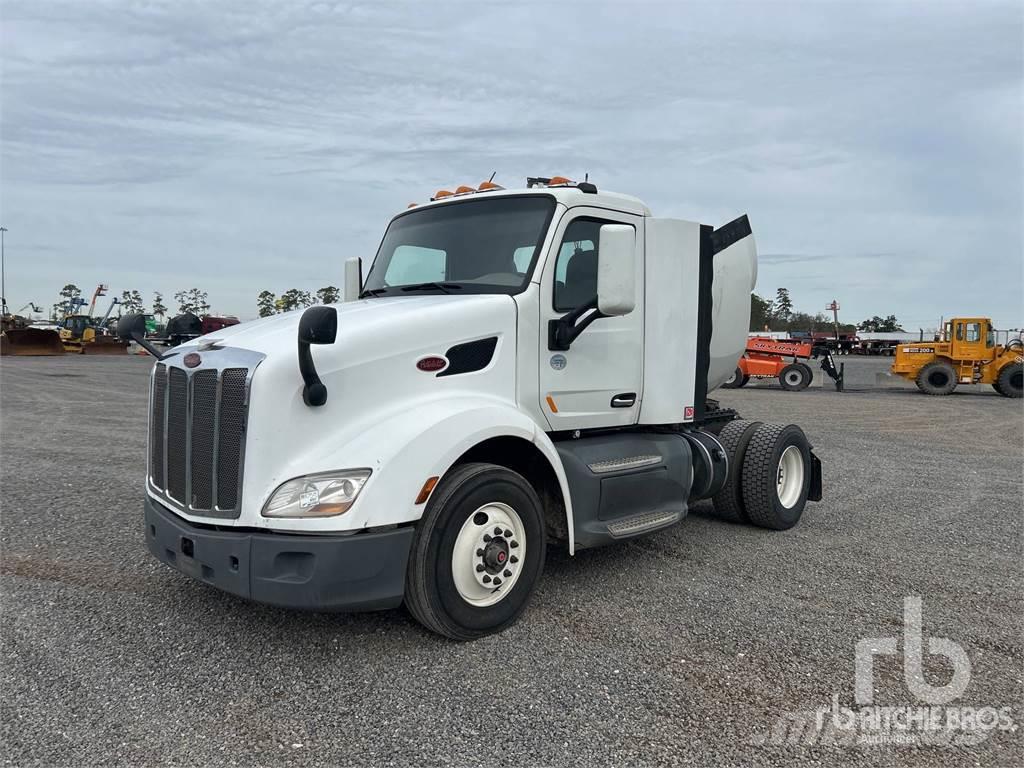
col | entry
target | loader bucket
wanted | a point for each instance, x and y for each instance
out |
(105, 345)
(30, 342)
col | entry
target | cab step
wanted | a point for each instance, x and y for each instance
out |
(646, 522)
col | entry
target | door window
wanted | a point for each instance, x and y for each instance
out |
(576, 264)
(973, 331)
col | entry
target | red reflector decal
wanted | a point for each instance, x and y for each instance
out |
(432, 364)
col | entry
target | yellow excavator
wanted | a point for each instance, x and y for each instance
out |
(83, 334)
(968, 351)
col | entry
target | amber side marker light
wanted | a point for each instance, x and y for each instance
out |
(551, 404)
(428, 486)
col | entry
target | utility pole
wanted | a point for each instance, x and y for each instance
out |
(3, 272)
(834, 306)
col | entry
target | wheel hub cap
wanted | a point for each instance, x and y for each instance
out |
(488, 554)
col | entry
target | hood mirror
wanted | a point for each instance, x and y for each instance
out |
(133, 328)
(318, 325)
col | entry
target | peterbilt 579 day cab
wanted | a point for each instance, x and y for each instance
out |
(517, 369)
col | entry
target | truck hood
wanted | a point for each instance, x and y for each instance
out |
(381, 317)
(371, 375)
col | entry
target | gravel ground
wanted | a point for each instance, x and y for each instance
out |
(681, 648)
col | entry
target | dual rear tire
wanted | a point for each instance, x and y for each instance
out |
(770, 471)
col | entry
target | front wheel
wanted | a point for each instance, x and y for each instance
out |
(477, 554)
(795, 376)
(1011, 380)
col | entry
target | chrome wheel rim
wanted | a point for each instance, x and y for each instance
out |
(489, 553)
(789, 482)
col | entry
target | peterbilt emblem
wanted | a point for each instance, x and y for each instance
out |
(432, 363)
(192, 359)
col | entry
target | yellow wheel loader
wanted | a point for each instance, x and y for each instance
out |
(967, 352)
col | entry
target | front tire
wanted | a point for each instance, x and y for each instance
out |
(477, 554)
(936, 378)
(795, 377)
(1010, 382)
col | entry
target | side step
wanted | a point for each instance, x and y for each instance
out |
(626, 484)
(645, 522)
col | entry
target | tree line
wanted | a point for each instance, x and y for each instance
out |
(778, 315)
(192, 300)
(268, 304)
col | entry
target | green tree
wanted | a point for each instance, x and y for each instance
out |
(328, 295)
(266, 304)
(69, 293)
(878, 324)
(131, 302)
(293, 298)
(783, 307)
(193, 300)
(760, 313)
(158, 304)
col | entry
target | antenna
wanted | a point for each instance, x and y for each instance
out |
(492, 176)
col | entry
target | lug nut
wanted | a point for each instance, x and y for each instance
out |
(497, 530)
(513, 544)
(513, 559)
(480, 568)
(507, 573)
(508, 534)
(487, 537)
(479, 553)
(497, 581)
(487, 579)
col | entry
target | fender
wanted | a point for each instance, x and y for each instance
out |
(406, 448)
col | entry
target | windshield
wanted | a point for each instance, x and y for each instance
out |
(475, 246)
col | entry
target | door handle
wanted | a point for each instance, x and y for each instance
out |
(625, 400)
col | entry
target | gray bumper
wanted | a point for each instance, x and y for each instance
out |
(358, 572)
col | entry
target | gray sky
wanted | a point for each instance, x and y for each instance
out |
(241, 145)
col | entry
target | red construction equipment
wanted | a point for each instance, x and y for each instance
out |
(767, 358)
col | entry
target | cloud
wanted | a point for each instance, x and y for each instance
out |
(248, 145)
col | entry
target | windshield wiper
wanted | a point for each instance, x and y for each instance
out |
(372, 292)
(442, 287)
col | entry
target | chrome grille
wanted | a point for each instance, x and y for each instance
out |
(197, 430)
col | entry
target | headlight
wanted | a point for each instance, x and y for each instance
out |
(320, 495)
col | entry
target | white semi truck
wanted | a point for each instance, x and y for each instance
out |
(517, 369)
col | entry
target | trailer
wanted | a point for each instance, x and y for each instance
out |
(516, 368)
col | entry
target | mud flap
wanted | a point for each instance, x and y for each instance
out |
(814, 492)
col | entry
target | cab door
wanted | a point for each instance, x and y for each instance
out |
(969, 337)
(598, 381)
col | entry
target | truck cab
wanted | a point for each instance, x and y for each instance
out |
(513, 368)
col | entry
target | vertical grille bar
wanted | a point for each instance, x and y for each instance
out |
(177, 434)
(156, 427)
(231, 437)
(204, 411)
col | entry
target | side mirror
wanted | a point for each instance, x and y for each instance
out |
(133, 328)
(616, 270)
(353, 284)
(318, 325)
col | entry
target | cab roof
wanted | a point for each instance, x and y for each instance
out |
(569, 196)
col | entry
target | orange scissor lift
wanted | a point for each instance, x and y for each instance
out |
(767, 358)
